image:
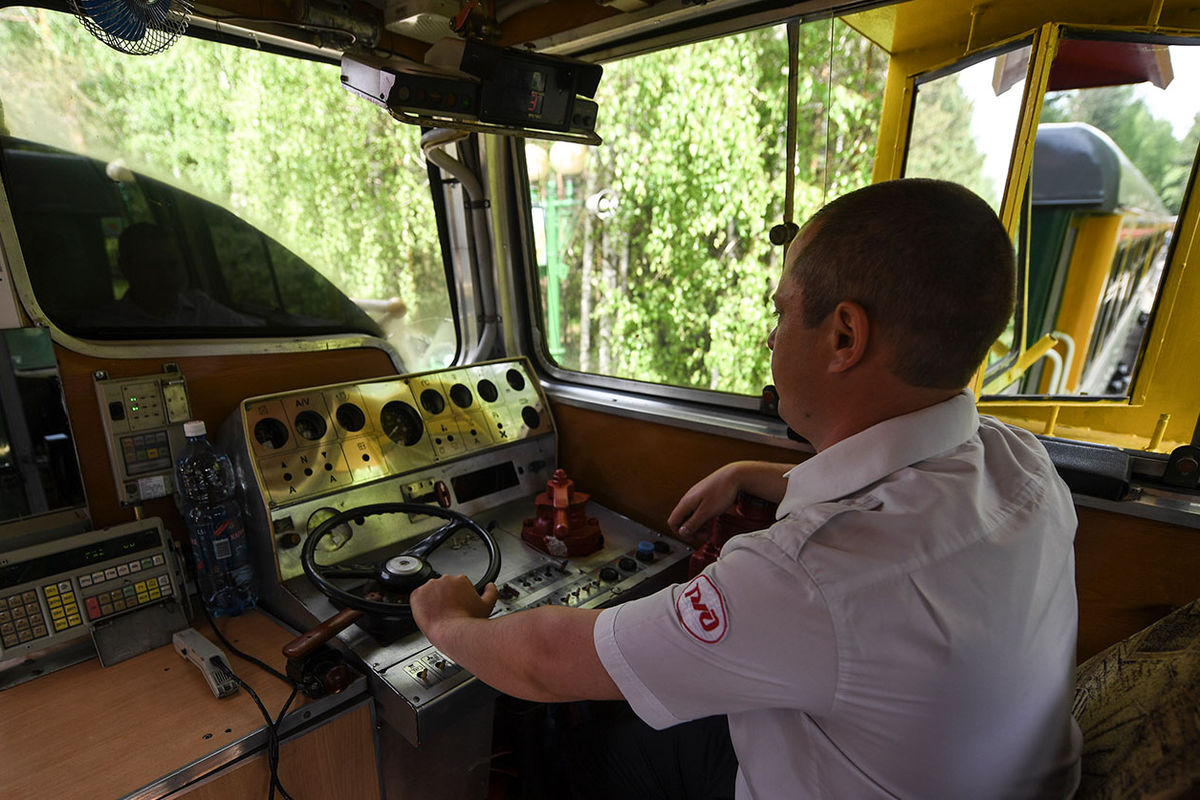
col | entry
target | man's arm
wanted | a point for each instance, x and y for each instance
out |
(545, 654)
(718, 491)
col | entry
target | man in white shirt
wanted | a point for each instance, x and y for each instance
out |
(907, 627)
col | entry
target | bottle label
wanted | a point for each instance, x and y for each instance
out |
(221, 548)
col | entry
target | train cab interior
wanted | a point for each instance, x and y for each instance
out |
(490, 283)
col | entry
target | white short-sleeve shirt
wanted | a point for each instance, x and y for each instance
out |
(905, 629)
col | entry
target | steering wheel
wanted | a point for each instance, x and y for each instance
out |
(398, 574)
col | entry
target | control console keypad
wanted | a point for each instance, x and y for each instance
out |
(21, 618)
(56, 592)
(122, 598)
(63, 605)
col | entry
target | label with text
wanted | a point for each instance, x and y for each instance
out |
(701, 610)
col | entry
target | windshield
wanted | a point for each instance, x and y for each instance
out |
(654, 251)
(214, 190)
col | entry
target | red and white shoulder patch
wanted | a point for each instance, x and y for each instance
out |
(701, 610)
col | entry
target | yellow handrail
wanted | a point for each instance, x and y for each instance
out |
(1026, 360)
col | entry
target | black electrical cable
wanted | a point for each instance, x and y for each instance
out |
(272, 724)
(275, 751)
(244, 656)
(272, 732)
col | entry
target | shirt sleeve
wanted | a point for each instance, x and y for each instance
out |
(752, 631)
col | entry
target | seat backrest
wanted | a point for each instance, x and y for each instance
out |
(1138, 705)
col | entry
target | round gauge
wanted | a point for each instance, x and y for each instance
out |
(531, 417)
(310, 425)
(487, 390)
(461, 395)
(401, 423)
(515, 379)
(270, 433)
(432, 401)
(350, 417)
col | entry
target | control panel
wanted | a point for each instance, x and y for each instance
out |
(309, 449)
(479, 440)
(143, 424)
(54, 592)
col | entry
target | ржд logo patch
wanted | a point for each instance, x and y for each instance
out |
(701, 609)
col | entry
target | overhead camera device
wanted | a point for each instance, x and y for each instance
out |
(476, 86)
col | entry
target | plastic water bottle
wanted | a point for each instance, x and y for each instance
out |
(205, 481)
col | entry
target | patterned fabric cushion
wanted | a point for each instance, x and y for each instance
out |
(1138, 705)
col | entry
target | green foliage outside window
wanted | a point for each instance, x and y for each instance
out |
(669, 278)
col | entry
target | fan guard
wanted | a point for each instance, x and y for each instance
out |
(136, 27)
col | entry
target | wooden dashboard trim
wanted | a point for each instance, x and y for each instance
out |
(216, 385)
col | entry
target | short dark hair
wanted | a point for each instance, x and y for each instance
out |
(928, 260)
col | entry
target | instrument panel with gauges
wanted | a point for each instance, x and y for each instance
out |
(477, 441)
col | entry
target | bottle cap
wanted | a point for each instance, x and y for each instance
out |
(194, 427)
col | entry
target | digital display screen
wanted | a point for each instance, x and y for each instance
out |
(537, 92)
(79, 557)
(521, 91)
(525, 89)
(474, 485)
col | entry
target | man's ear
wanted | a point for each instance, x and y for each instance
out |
(849, 332)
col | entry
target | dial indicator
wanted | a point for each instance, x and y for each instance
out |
(432, 401)
(350, 417)
(401, 423)
(461, 395)
(270, 433)
(310, 425)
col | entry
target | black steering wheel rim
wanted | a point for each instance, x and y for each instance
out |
(423, 548)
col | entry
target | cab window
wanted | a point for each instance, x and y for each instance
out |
(265, 202)
(1112, 154)
(964, 123)
(1118, 134)
(652, 250)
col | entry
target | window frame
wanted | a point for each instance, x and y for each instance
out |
(26, 309)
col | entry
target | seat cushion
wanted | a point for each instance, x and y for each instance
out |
(1138, 705)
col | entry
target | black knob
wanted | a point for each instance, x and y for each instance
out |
(628, 564)
(609, 574)
(660, 546)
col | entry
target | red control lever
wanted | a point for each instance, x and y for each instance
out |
(562, 526)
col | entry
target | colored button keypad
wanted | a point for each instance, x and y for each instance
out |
(22, 618)
(63, 605)
(126, 597)
(25, 617)
(121, 570)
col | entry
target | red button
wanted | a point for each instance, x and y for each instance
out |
(93, 608)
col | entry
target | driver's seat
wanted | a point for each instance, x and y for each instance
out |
(1138, 705)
